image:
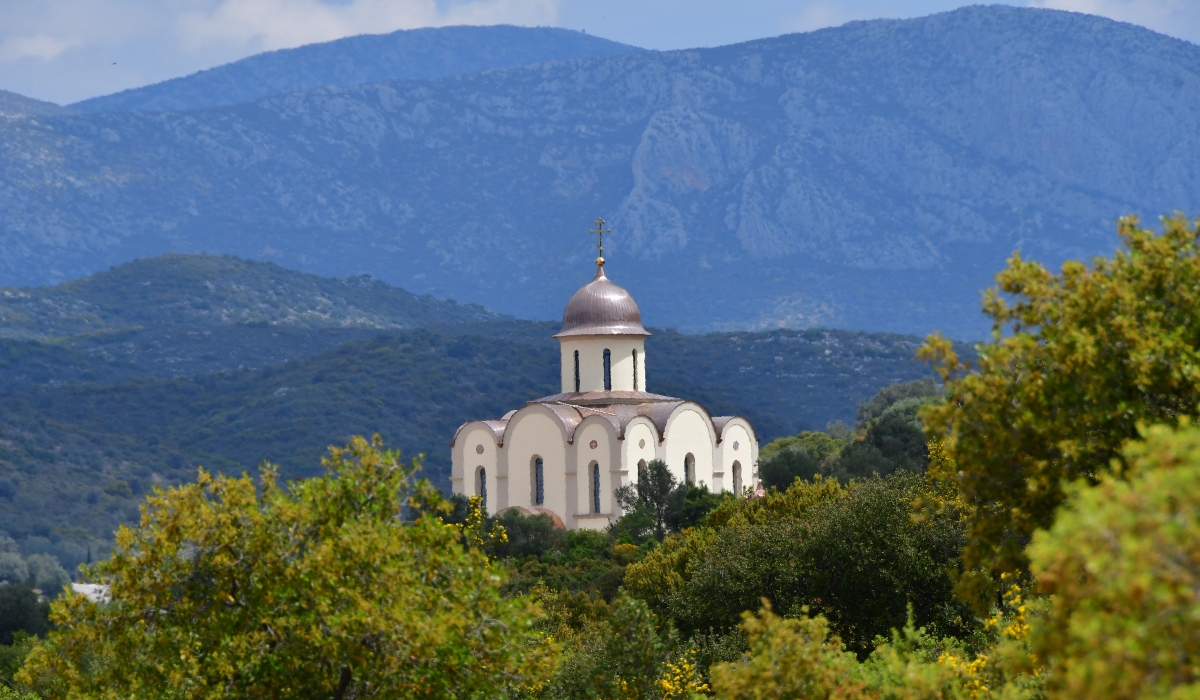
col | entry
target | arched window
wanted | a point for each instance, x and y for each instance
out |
(641, 471)
(689, 469)
(538, 481)
(737, 478)
(635, 372)
(481, 487)
(595, 488)
(607, 370)
(576, 371)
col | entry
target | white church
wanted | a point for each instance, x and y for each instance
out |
(566, 454)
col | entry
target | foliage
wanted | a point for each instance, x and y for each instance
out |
(618, 651)
(21, 611)
(789, 658)
(314, 588)
(1122, 565)
(656, 493)
(12, 657)
(697, 503)
(820, 445)
(47, 574)
(784, 465)
(528, 535)
(855, 554)
(1077, 361)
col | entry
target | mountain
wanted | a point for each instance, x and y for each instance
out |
(14, 105)
(76, 458)
(206, 290)
(871, 176)
(414, 54)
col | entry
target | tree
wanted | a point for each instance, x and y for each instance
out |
(47, 574)
(20, 611)
(789, 658)
(1077, 361)
(656, 492)
(1122, 562)
(782, 466)
(854, 554)
(317, 588)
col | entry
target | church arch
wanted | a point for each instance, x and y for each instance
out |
(537, 480)
(607, 369)
(689, 469)
(737, 478)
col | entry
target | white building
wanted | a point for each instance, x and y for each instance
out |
(566, 454)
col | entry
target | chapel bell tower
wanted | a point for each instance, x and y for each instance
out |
(602, 339)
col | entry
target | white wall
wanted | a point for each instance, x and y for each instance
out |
(690, 431)
(591, 362)
(607, 455)
(464, 460)
(737, 432)
(534, 431)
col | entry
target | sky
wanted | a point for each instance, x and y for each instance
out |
(68, 50)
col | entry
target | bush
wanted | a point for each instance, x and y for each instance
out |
(13, 568)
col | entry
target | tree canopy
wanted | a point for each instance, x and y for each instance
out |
(1078, 360)
(232, 588)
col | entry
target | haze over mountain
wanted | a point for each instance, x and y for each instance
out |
(414, 54)
(874, 175)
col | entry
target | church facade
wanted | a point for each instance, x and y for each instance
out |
(566, 454)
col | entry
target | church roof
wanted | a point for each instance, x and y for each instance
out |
(601, 308)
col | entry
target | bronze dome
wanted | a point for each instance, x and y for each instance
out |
(601, 308)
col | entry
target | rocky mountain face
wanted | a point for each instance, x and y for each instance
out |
(871, 176)
(414, 54)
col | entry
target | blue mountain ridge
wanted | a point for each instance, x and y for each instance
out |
(413, 54)
(870, 176)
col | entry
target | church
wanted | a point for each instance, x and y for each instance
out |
(566, 454)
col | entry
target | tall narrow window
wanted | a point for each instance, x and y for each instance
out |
(607, 370)
(635, 377)
(539, 482)
(689, 469)
(576, 371)
(481, 488)
(737, 478)
(595, 488)
(641, 471)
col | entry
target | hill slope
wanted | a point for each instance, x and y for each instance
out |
(871, 176)
(201, 290)
(415, 54)
(13, 105)
(75, 458)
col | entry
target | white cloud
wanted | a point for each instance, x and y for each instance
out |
(38, 46)
(277, 24)
(1178, 18)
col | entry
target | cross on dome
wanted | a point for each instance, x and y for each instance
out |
(600, 231)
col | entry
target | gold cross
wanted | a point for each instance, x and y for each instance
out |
(600, 231)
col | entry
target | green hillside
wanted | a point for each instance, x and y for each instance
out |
(218, 290)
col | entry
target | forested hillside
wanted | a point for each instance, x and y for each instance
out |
(869, 176)
(218, 290)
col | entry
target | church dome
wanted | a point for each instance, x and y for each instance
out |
(601, 308)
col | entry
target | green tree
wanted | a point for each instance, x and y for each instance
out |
(21, 611)
(656, 493)
(231, 588)
(855, 554)
(1077, 361)
(780, 467)
(789, 658)
(1122, 562)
